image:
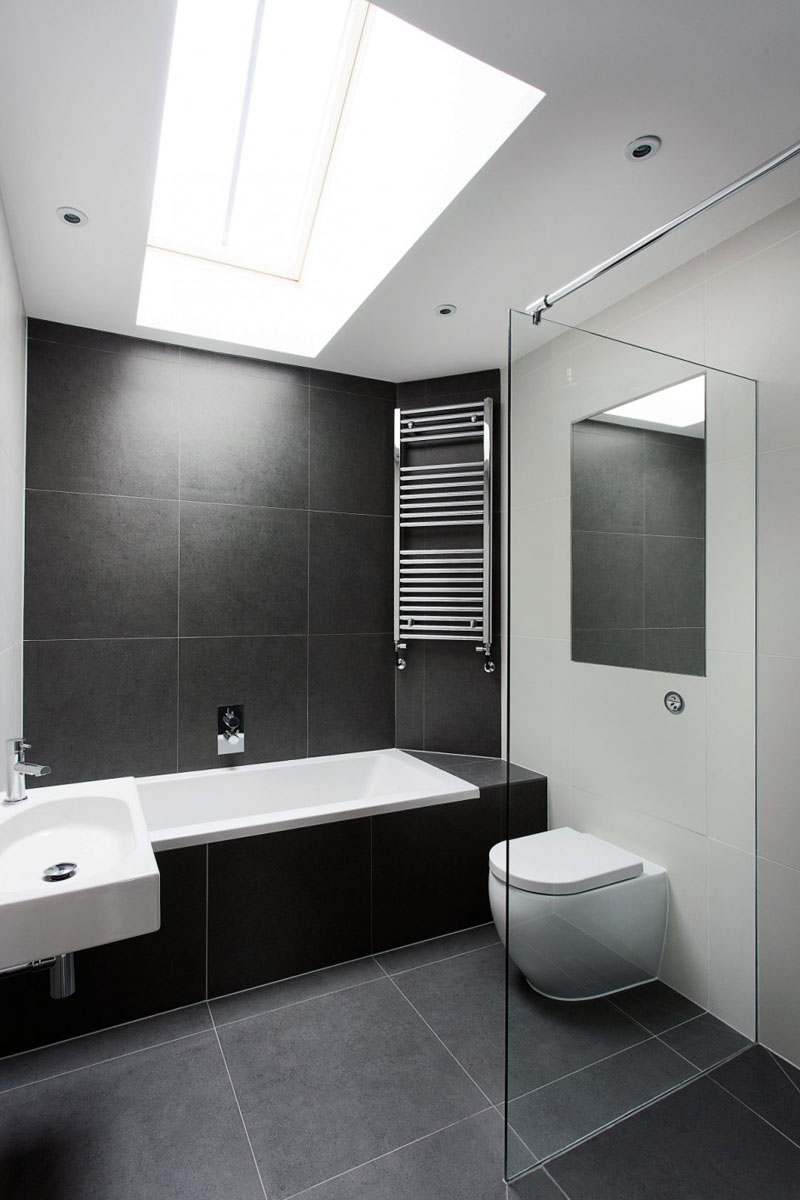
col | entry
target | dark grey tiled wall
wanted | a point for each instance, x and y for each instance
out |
(445, 701)
(202, 529)
(638, 548)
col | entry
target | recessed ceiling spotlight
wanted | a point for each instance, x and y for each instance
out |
(643, 147)
(446, 310)
(71, 216)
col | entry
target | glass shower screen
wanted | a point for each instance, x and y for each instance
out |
(630, 637)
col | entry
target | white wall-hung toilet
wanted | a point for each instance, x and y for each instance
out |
(586, 917)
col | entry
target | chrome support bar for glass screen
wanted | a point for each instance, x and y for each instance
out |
(541, 305)
(443, 594)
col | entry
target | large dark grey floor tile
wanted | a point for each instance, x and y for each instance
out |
(350, 573)
(101, 422)
(536, 1185)
(406, 958)
(656, 1006)
(464, 1162)
(698, 1144)
(92, 1048)
(352, 457)
(100, 566)
(294, 990)
(705, 1041)
(331, 1084)
(267, 675)
(160, 1123)
(350, 693)
(243, 570)
(555, 1116)
(287, 902)
(788, 1069)
(244, 438)
(99, 709)
(756, 1079)
(463, 1001)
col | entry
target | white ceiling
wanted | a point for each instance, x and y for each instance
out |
(81, 89)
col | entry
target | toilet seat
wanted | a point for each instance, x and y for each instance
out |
(563, 862)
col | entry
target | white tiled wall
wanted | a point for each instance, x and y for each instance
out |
(737, 308)
(12, 424)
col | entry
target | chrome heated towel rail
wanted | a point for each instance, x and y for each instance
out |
(444, 592)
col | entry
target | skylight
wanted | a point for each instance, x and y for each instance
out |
(677, 407)
(305, 146)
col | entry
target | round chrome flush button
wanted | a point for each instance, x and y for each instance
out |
(674, 703)
(59, 871)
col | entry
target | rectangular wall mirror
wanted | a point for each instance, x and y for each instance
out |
(638, 505)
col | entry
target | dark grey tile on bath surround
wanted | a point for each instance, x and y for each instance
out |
(350, 573)
(101, 422)
(464, 1162)
(163, 1122)
(674, 582)
(350, 693)
(560, 1113)
(101, 709)
(100, 566)
(265, 674)
(328, 1085)
(243, 570)
(125, 980)
(607, 483)
(607, 577)
(699, 1142)
(297, 899)
(244, 439)
(419, 890)
(705, 1041)
(462, 701)
(352, 452)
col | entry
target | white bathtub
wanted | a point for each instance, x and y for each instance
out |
(209, 806)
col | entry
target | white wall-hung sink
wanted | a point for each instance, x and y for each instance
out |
(46, 908)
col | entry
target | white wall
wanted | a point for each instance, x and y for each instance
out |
(12, 463)
(735, 307)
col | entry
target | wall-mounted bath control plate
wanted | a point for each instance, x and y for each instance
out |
(674, 703)
(230, 729)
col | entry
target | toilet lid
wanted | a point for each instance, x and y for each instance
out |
(563, 862)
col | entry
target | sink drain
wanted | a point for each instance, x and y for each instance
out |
(59, 871)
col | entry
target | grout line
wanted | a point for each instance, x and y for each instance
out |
(241, 1115)
(776, 1058)
(439, 1040)
(183, 1037)
(586, 1067)
(292, 1003)
(388, 1154)
(435, 961)
(754, 1111)
(555, 1183)
(332, 512)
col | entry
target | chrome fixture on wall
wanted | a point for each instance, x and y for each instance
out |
(17, 768)
(443, 593)
(230, 729)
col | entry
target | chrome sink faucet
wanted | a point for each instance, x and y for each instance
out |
(17, 768)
